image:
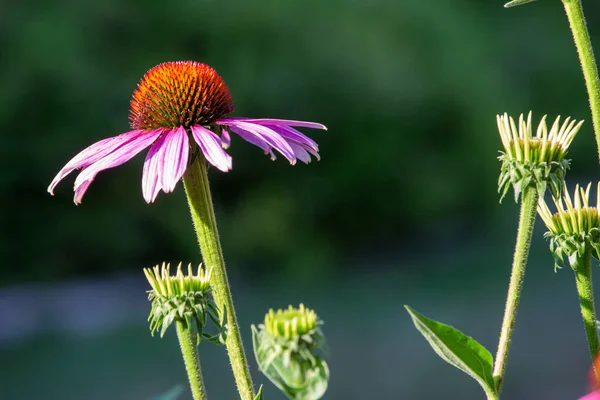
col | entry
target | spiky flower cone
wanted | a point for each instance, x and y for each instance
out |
(534, 160)
(286, 348)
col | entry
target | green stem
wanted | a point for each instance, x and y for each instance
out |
(491, 396)
(526, 221)
(189, 349)
(199, 198)
(581, 36)
(583, 278)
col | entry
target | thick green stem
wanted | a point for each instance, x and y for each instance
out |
(203, 215)
(583, 278)
(189, 349)
(492, 396)
(526, 221)
(578, 26)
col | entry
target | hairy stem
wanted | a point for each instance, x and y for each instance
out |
(199, 198)
(583, 278)
(581, 36)
(189, 350)
(529, 201)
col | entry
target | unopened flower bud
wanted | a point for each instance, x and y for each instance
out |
(286, 348)
(182, 297)
(575, 227)
(537, 161)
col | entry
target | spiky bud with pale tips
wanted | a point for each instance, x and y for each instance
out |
(534, 160)
(185, 298)
(287, 348)
(575, 226)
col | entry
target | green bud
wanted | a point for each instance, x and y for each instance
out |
(286, 348)
(575, 227)
(182, 297)
(537, 161)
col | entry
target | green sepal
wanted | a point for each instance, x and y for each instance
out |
(515, 3)
(193, 309)
(573, 246)
(259, 395)
(459, 350)
(521, 174)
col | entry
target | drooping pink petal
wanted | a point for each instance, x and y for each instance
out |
(91, 154)
(255, 140)
(80, 191)
(117, 157)
(300, 153)
(268, 135)
(225, 139)
(295, 135)
(274, 122)
(151, 179)
(175, 150)
(211, 147)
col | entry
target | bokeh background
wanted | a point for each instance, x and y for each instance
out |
(402, 208)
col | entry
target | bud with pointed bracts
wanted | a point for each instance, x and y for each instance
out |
(286, 347)
(185, 298)
(534, 160)
(575, 227)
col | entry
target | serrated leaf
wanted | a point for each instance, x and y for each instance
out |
(458, 349)
(515, 3)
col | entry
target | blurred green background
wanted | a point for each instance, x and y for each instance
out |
(402, 208)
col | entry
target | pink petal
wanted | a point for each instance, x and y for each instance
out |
(151, 181)
(119, 156)
(268, 135)
(300, 153)
(251, 138)
(591, 396)
(225, 139)
(211, 147)
(175, 151)
(275, 122)
(91, 154)
(80, 191)
(165, 163)
(293, 134)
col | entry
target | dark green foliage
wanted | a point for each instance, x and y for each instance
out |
(408, 89)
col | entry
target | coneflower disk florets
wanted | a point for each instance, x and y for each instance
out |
(179, 110)
(534, 160)
(575, 227)
(179, 94)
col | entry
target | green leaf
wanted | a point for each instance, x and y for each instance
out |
(515, 3)
(457, 349)
(172, 394)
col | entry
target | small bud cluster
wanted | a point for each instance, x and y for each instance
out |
(575, 227)
(534, 160)
(184, 298)
(286, 348)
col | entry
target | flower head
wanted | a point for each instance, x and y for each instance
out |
(575, 227)
(181, 297)
(534, 160)
(286, 348)
(179, 110)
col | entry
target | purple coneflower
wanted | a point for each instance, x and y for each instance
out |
(173, 102)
